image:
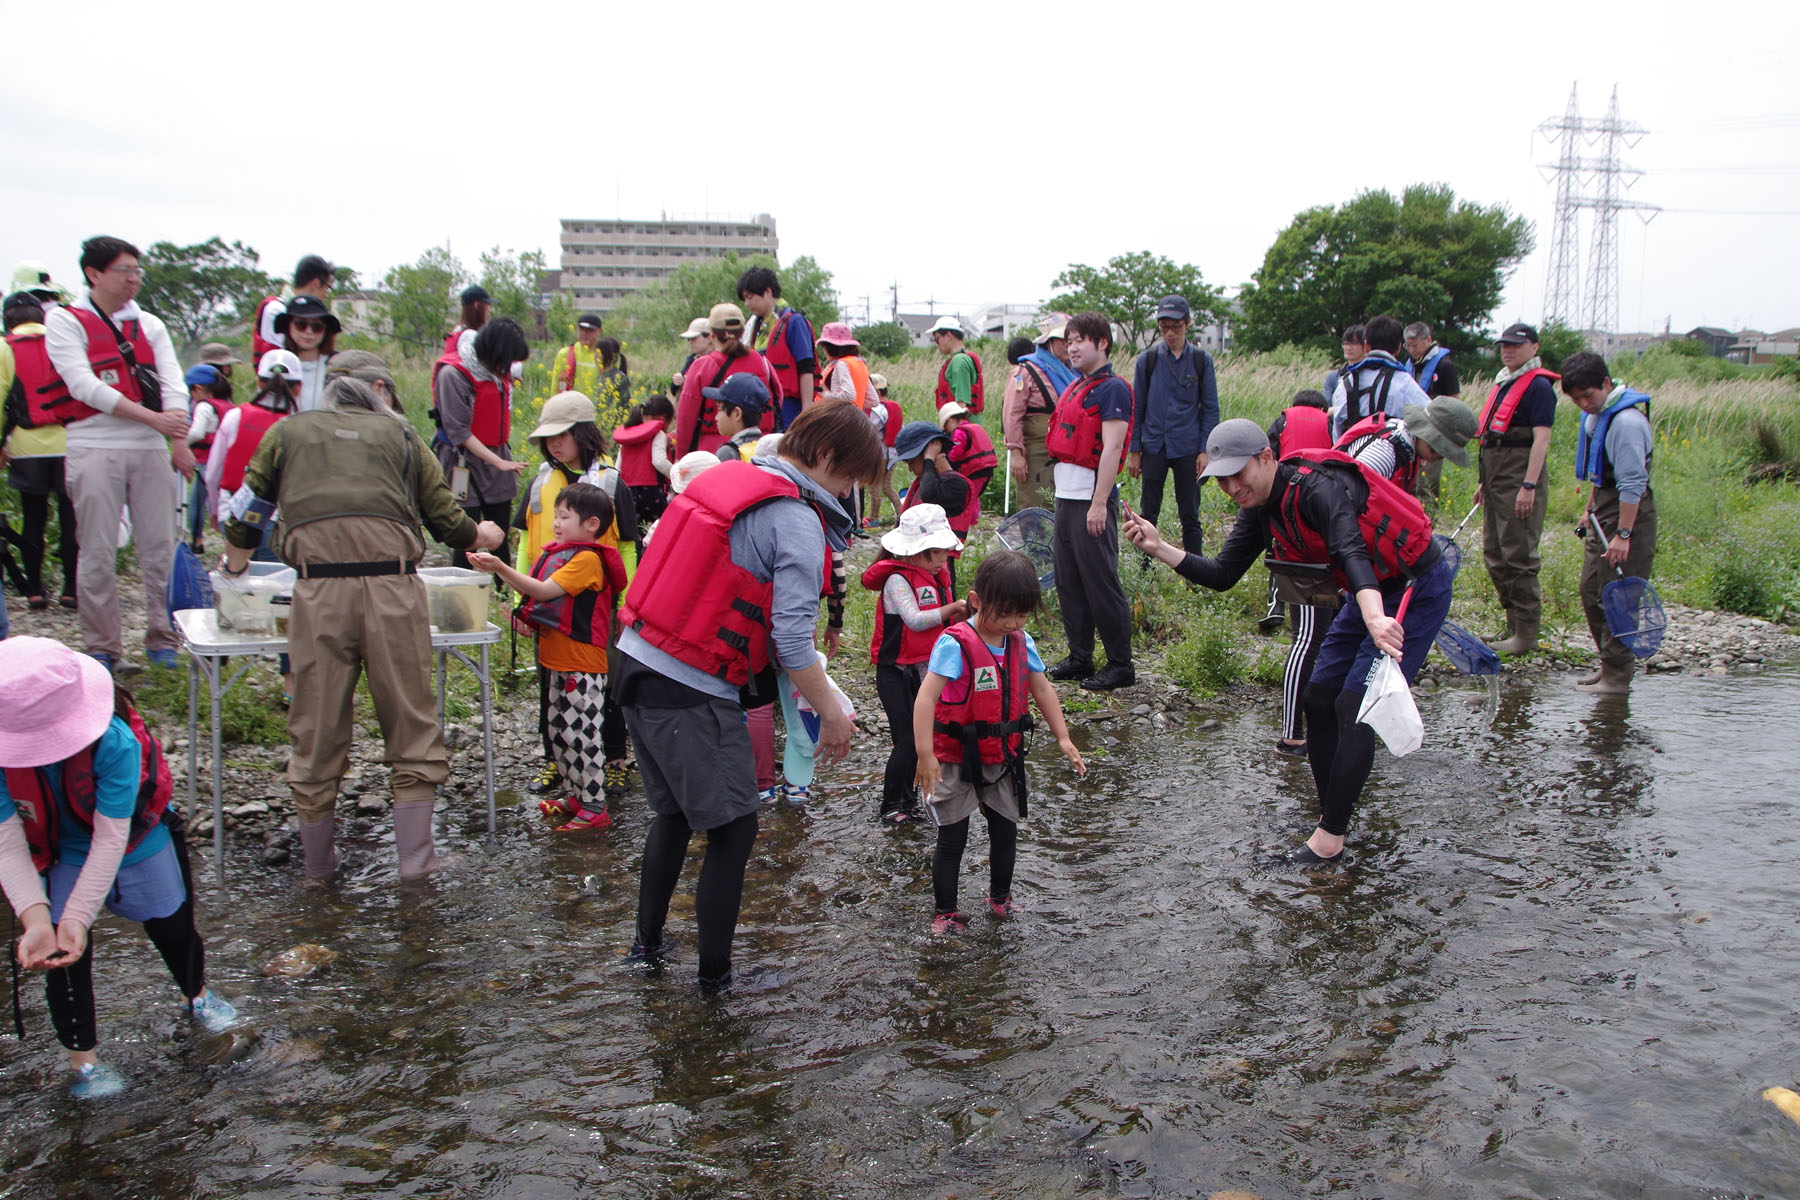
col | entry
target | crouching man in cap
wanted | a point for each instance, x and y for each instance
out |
(352, 481)
(1328, 523)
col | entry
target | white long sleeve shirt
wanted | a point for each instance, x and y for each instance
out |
(65, 339)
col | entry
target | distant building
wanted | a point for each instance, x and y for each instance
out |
(1608, 344)
(1001, 321)
(363, 311)
(917, 323)
(605, 261)
(1717, 340)
(1757, 353)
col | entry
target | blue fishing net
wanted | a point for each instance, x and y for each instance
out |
(1466, 652)
(1031, 531)
(1451, 551)
(1634, 614)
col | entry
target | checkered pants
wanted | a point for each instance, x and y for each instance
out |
(576, 700)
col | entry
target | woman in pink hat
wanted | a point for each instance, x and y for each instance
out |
(85, 821)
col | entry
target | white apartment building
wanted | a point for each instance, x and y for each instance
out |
(603, 261)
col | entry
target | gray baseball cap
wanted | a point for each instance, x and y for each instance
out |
(1233, 444)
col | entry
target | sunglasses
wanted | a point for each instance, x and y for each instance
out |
(307, 326)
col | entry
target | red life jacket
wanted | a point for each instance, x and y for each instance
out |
(585, 616)
(454, 339)
(1303, 429)
(706, 430)
(1393, 524)
(960, 522)
(31, 793)
(1497, 417)
(1406, 465)
(976, 454)
(895, 643)
(254, 423)
(689, 599)
(258, 346)
(985, 711)
(491, 421)
(781, 359)
(1076, 434)
(109, 365)
(635, 443)
(945, 395)
(203, 448)
(895, 418)
(47, 399)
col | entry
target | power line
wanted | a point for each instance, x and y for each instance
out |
(1736, 212)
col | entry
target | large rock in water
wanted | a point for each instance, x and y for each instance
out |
(297, 962)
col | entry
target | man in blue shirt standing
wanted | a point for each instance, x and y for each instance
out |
(1176, 405)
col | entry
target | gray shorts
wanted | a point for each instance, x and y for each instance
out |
(955, 799)
(695, 762)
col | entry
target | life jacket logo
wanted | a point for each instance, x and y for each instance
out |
(987, 679)
(110, 377)
(928, 597)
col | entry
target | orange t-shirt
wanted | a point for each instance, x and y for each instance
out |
(603, 573)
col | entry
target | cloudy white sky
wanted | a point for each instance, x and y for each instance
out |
(965, 152)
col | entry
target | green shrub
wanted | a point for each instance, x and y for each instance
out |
(1206, 661)
(1755, 567)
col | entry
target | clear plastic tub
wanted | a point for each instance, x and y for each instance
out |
(458, 598)
(256, 602)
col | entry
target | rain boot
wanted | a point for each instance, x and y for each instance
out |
(1506, 629)
(412, 839)
(1592, 677)
(1613, 681)
(1524, 638)
(320, 852)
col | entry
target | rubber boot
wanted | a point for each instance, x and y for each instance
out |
(412, 839)
(316, 842)
(1591, 677)
(1506, 630)
(1613, 681)
(1524, 638)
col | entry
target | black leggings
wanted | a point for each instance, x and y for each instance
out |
(946, 861)
(1340, 749)
(70, 990)
(717, 896)
(898, 687)
(36, 512)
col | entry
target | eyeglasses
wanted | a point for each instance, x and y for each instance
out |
(307, 326)
(128, 272)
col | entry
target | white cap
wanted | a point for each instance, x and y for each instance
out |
(690, 465)
(696, 327)
(948, 323)
(278, 359)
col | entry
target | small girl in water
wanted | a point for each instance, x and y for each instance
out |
(972, 714)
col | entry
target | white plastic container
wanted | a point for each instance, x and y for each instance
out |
(256, 602)
(458, 597)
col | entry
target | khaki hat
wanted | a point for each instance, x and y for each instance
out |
(878, 381)
(725, 316)
(699, 326)
(1055, 325)
(365, 365)
(1446, 425)
(218, 354)
(562, 412)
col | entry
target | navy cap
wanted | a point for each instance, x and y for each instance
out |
(914, 436)
(589, 321)
(1173, 308)
(476, 292)
(1518, 335)
(742, 390)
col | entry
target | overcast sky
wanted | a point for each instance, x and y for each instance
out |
(967, 152)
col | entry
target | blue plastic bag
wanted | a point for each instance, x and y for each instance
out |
(189, 585)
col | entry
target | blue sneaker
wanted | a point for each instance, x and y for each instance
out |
(105, 660)
(796, 795)
(96, 1081)
(164, 658)
(213, 1012)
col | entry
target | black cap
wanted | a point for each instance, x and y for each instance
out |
(1173, 308)
(1518, 334)
(476, 292)
(306, 308)
(589, 321)
(22, 300)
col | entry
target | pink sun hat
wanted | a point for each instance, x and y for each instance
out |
(839, 334)
(53, 701)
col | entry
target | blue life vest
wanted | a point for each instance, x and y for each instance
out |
(1590, 448)
(1055, 371)
(1426, 371)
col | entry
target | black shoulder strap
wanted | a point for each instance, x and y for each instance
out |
(1043, 387)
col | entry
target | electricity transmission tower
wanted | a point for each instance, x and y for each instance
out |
(1562, 295)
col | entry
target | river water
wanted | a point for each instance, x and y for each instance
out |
(1561, 964)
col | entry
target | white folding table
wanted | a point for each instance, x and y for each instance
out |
(209, 647)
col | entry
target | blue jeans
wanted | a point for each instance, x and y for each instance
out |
(197, 505)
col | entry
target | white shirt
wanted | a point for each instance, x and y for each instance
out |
(312, 384)
(268, 331)
(65, 339)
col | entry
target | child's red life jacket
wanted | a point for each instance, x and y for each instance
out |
(1393, 524)
(585, 616)
(706, 429)
(258, 345)
(31, 793)
(895, 418)
(47, 399)
(1497, 413)
(689, 599)
(781, 360)
(960, 522)
(983, 713)
(976, 394)
(1406, 467)
(203, 447)
(1304, 429)
(972, 451)
(1076, 428)
(109, 365)
(254, 423)
(895, 643)
(491, 421)
(635, 444)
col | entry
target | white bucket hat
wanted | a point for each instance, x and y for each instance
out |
(688, 466)
(922, 527)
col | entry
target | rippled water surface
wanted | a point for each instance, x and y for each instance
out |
(1563, 963)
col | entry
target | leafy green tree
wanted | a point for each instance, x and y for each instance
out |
(1423, 257)
(661, 311)
(886, 340)
(1557, 341)
(1126, 290)
(421, 300)
(197, 288)
(511, 281)
(560, 318)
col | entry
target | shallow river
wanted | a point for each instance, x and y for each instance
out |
(1561, 964)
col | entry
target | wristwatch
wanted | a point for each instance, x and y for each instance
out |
(1529, 486)
(1624, 533)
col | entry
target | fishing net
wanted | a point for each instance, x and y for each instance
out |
(1030, 531)
(1634, 614)
(1451, 551)
(1466, 652)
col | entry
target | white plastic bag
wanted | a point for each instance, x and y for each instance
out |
(1388, 708)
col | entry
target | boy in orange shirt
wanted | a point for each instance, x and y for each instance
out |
(569, 601)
